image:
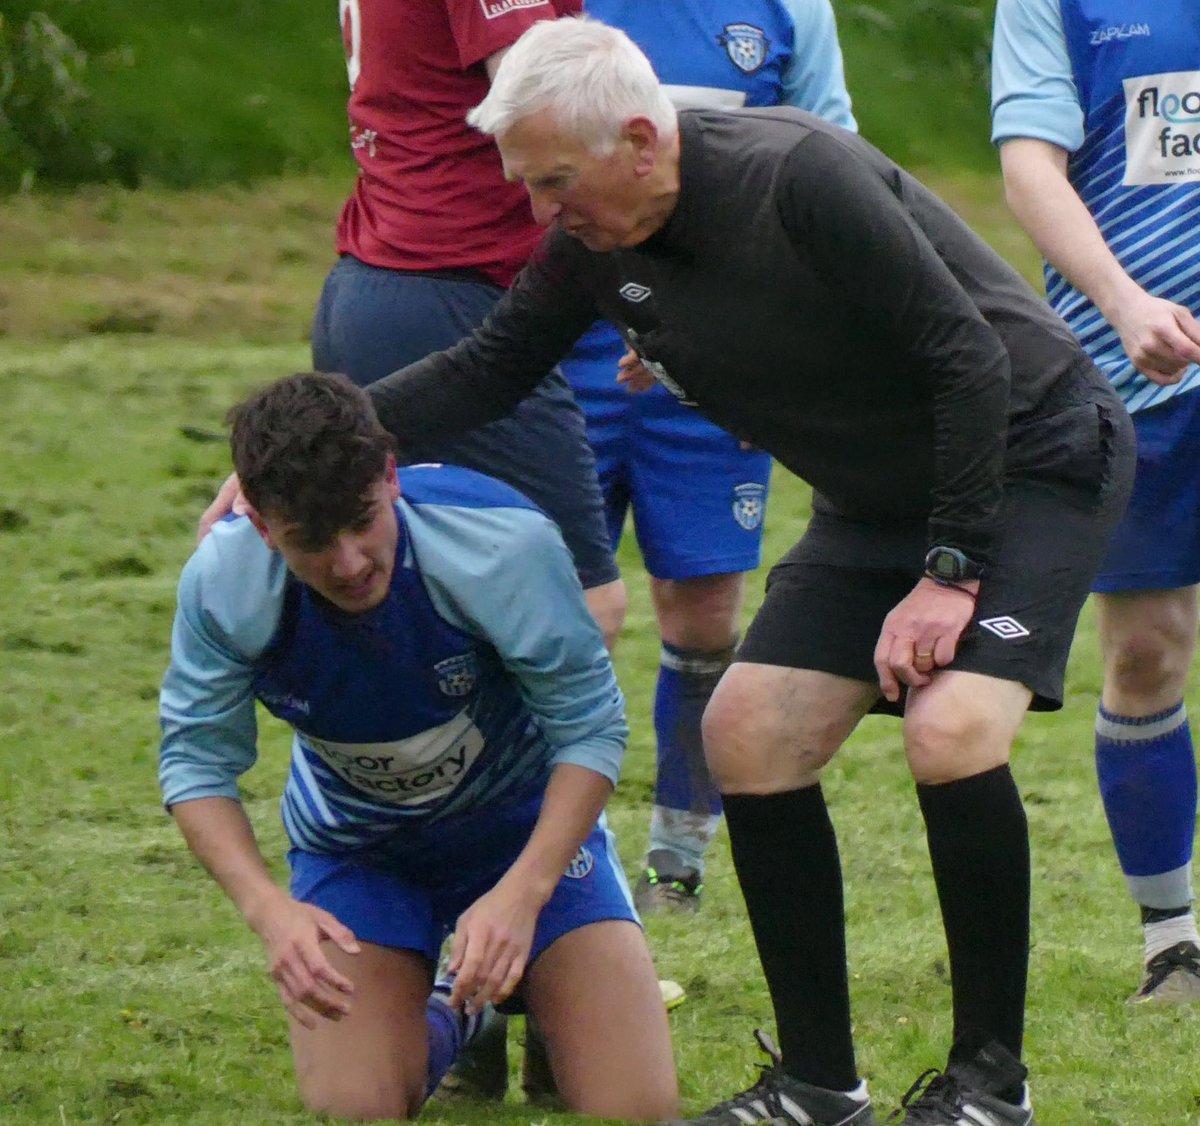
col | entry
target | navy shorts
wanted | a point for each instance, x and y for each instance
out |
(371, 321)
(411, 900)
(1157, 544)
(827, 598)
(698, 498)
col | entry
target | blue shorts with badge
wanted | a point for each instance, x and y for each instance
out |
(1156, 546)
(410, 894)
(698, 498)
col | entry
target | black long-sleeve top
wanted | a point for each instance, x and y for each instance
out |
(813, 298)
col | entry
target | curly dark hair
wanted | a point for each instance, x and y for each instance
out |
(309, 449)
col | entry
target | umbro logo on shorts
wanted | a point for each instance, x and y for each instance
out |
(634, 291)
(1005, 628)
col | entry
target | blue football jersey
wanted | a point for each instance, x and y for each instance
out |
(1117, 84)
(725, 55)
(479, 671)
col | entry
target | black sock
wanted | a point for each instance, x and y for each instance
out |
(786, 856)
(979, 848)
(1162, 914)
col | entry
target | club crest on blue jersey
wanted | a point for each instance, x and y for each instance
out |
(749, 504)
(746, 46)
(457, 676)
(581, 864)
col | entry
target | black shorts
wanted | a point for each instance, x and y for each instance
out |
(827, 598)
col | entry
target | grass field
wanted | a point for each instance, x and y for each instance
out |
(131, 991)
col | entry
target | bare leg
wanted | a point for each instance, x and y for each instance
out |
(370, 1064)
(595, 995)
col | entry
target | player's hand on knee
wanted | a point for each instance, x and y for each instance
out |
(309, 986)
(491, 947)
(921, 635)
(229, 498)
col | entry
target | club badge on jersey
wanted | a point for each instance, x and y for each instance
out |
(746, 46)
(457, 676)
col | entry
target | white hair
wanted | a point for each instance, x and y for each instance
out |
(592, 76)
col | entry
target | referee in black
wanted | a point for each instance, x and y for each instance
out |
(968, 464)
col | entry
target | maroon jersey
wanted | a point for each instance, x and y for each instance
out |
(431, 193)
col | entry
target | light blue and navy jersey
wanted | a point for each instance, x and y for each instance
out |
(718, 54)
(479, 671)
(1117, 84)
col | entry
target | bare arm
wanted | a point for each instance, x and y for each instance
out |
(1160, 337)
(219, 834)
(494, 935)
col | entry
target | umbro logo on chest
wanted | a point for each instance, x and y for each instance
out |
(635, 292)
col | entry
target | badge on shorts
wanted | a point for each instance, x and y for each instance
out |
(457, 676)
(581, 865)
(746, 46)
(749, 503)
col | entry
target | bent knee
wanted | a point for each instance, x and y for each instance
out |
(362, 1103)
(1147, 663)
(646, 1105)
(944, 747)
(755, 743)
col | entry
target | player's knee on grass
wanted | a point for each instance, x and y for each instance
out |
(363, 1099)
(598, 1004)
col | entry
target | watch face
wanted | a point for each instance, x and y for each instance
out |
(946, 563)
(943, 564)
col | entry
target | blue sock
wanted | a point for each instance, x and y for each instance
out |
(449, 1031)
(1146, 767)
(687, 802)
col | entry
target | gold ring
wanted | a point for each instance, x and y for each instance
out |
(923, 656)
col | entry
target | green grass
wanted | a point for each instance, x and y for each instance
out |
(132, 991)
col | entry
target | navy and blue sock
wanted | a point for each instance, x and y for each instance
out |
(1146, 767)
(687, 803)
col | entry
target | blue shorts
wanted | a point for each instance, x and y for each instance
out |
(1157, 544)
(371, 321)
(698, 498)
(411, 895)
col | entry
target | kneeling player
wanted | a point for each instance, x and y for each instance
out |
(458, 731)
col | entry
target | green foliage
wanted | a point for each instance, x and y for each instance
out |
(918, 73)
(181, 94)
(42, 100)
(237, 90)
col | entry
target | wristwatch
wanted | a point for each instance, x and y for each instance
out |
(949, 566)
